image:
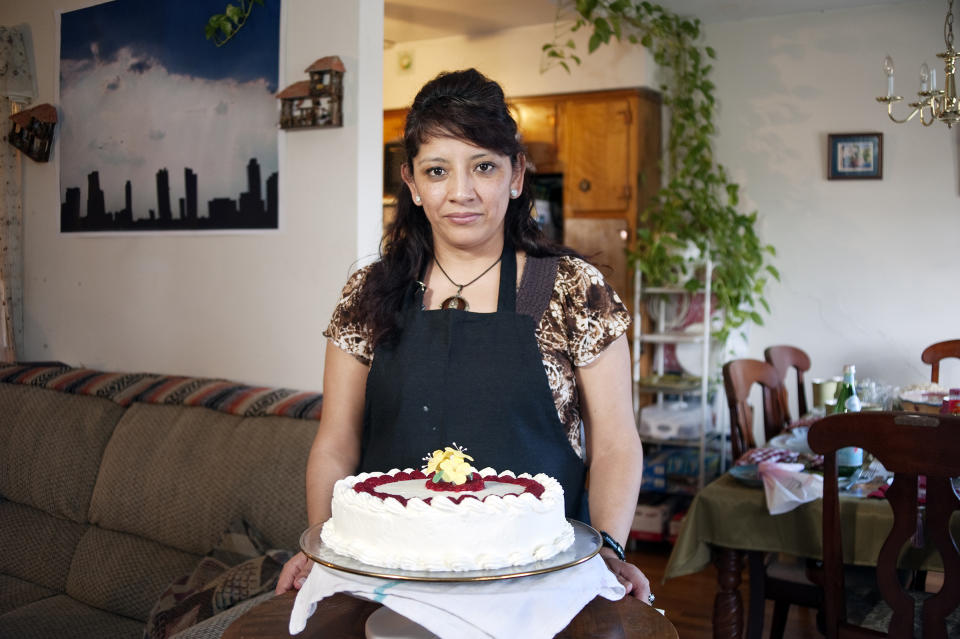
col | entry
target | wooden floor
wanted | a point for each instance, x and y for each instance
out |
(688, 601)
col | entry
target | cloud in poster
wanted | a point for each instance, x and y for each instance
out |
(128, 117)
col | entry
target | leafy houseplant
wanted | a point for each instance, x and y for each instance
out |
(223, 26)
(698, 203)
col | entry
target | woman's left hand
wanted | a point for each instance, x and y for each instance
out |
(630, 576)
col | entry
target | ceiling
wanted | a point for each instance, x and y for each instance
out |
(406, 20)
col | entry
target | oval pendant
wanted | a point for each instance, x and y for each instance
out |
(455, 302)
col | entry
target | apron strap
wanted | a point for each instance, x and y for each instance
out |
(507, 298)
(536, 286)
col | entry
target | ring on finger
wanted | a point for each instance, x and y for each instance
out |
(650, 598)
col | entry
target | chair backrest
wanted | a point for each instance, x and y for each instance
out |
(783, 358)
(908, 445)
(935, 352)
(739, 376)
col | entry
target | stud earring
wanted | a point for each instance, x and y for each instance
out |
(417, 200)
(514, 192)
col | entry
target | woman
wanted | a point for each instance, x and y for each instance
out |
(474, 328)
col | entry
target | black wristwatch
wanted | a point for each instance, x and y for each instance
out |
(610, 542)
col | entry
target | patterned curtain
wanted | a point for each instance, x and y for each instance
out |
(11, 254)
(17, 86)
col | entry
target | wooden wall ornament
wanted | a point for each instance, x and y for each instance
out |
(317, 102)
(32, 131)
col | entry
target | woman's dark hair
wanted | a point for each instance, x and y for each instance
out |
(468, 106)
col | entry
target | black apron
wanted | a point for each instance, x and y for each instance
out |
(476, 379)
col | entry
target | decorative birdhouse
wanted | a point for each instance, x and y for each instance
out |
(32, 131)
(317, 102)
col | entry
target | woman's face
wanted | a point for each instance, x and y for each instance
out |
(464, 191)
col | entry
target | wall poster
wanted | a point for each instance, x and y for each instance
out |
(161, 129)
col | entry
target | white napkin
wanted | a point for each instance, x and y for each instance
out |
(533, 607)
(786, 486)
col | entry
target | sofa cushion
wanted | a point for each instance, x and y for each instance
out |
(50, 447)
(124, 573)
(66, 618)
(17, 592)
(36, 546)
(179, 475)
(238, 568)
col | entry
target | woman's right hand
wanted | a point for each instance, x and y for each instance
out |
(294, 573)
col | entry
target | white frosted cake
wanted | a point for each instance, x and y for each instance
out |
(414, 521)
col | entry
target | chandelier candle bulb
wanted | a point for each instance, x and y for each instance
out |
(924, 77)
(933, 79)
(888, 70)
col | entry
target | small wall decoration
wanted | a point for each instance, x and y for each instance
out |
(32, 131)
(317, 102)
(855, 156)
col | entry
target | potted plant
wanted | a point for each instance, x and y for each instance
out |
(698, 204)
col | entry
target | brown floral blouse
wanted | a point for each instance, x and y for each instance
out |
(584, 315)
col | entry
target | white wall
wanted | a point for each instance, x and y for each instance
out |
(246, 307)
(513, 58)
(868, 268)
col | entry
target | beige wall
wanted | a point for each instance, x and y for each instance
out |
(512, 58)
(248, 307)
(869, 267)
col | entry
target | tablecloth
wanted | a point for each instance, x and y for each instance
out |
(729, 514)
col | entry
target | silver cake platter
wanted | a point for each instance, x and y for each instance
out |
(586, 543)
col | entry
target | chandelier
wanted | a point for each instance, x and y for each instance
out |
(934, 104)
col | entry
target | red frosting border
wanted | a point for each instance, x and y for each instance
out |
(370, 485)
(474, 484)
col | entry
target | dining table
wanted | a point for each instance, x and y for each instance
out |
(729, 518)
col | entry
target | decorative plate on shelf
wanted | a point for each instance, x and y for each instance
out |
(690, 354)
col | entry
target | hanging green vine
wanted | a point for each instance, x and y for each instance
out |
(698, 204)
(223, 26)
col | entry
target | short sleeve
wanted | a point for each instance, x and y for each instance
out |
(347, 330)
(595, 315)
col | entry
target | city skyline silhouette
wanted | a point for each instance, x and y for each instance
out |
(250, 210)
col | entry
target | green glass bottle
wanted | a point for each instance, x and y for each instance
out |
(849, 459)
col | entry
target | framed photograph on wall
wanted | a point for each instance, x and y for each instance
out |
(855, 156)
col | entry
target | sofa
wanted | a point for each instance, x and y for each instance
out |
(141, 505)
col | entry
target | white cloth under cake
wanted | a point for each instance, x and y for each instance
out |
(533, 607)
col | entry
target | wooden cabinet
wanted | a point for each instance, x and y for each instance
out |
(393, 121)
(605, 242)
(600, 158)
(537, 120)
(610, 154)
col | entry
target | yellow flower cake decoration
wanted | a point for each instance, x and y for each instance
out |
(450, 465)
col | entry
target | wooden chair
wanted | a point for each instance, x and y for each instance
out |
(783, 358)
(783, 580)
(935, 352)
(739, 376)
(909, 445)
